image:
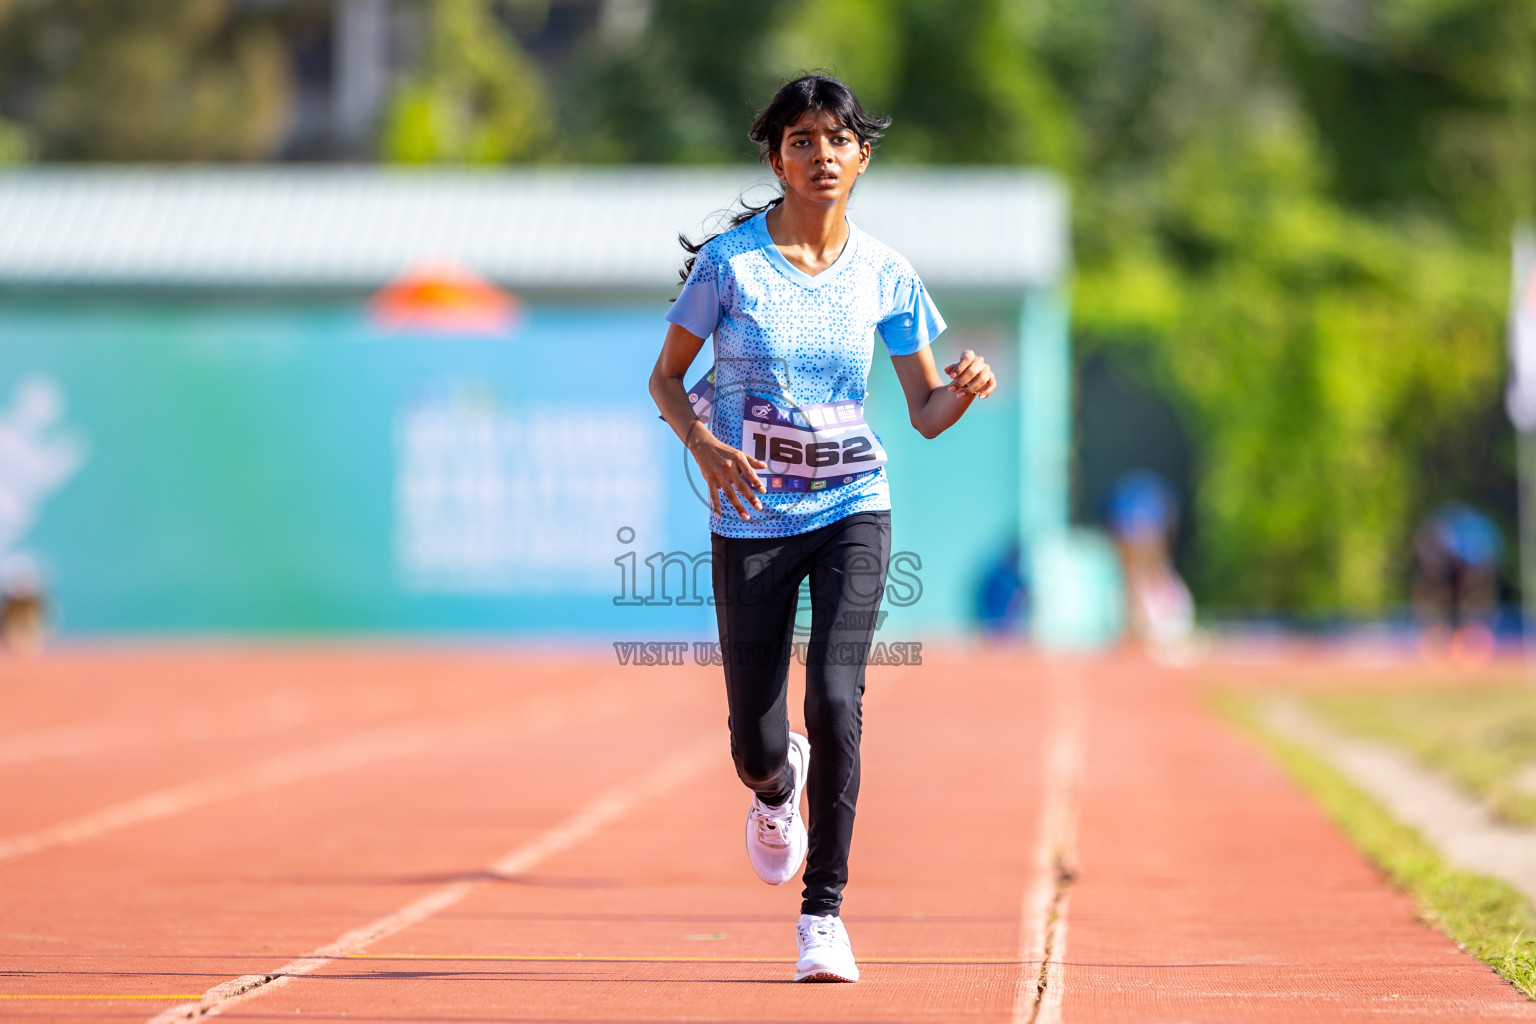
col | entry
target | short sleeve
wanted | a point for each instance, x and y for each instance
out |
(697, 307)
(913, 320)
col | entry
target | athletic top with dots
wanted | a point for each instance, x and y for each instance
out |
(784, 335)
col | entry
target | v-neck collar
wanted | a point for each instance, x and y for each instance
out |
(794, 273)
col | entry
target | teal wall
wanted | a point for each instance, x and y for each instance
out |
(279, 468)
(953, 498)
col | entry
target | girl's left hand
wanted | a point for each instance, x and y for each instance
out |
(971, 376)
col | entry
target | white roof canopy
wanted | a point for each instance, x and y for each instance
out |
(557, 227)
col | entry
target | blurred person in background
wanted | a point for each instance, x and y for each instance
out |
(1001, 595)
(795, 288)
(23, 606)
(1456, 556)
(1142, 515)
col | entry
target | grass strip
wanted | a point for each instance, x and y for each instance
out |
(1483, 738)
(1488, 918)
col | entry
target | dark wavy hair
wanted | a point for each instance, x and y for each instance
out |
(819, 94)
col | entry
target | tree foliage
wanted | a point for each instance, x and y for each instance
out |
(476, 97)
(1269, 206)
(140, 80)
(680, 85)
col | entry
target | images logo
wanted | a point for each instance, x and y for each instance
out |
(761, 410)
(678, 578)
(817, 485)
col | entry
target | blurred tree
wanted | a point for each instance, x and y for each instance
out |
(15, 143)
(671, 80)
(957, 77)
(1423, 102)
(682, 80)
(476, 97)
(1318, 356)
(1327, 315)
(147, 80)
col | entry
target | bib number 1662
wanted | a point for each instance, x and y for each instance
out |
(784, 450)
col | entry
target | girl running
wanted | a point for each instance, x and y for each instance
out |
(793, 295)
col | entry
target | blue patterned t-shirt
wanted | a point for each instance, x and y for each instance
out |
(799, 340)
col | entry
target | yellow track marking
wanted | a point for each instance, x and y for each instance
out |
(167, 995)
(598, 958)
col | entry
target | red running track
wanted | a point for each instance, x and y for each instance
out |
(458, 835)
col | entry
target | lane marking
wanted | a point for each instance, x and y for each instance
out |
(1044, 921)
(600, 958)
(603, 810)
(220, 720)
(68, 740)
(166, 996)
(295, 766)
(539, 712)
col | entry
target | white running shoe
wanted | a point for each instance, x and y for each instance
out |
(776, 836)
(825, 953)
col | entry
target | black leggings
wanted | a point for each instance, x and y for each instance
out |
(757, 584)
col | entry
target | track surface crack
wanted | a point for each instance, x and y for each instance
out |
(1055, 914)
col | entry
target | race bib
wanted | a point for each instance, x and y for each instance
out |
(810, 448)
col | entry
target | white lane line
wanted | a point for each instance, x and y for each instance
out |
(286, 768)
(539, 712)
(262, 715)
(605, 809)
(70, 740)
(1044, 923)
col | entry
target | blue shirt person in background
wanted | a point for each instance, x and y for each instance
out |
(1457, 553)
(794, 295)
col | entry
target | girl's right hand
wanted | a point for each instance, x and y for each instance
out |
(726, 469)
